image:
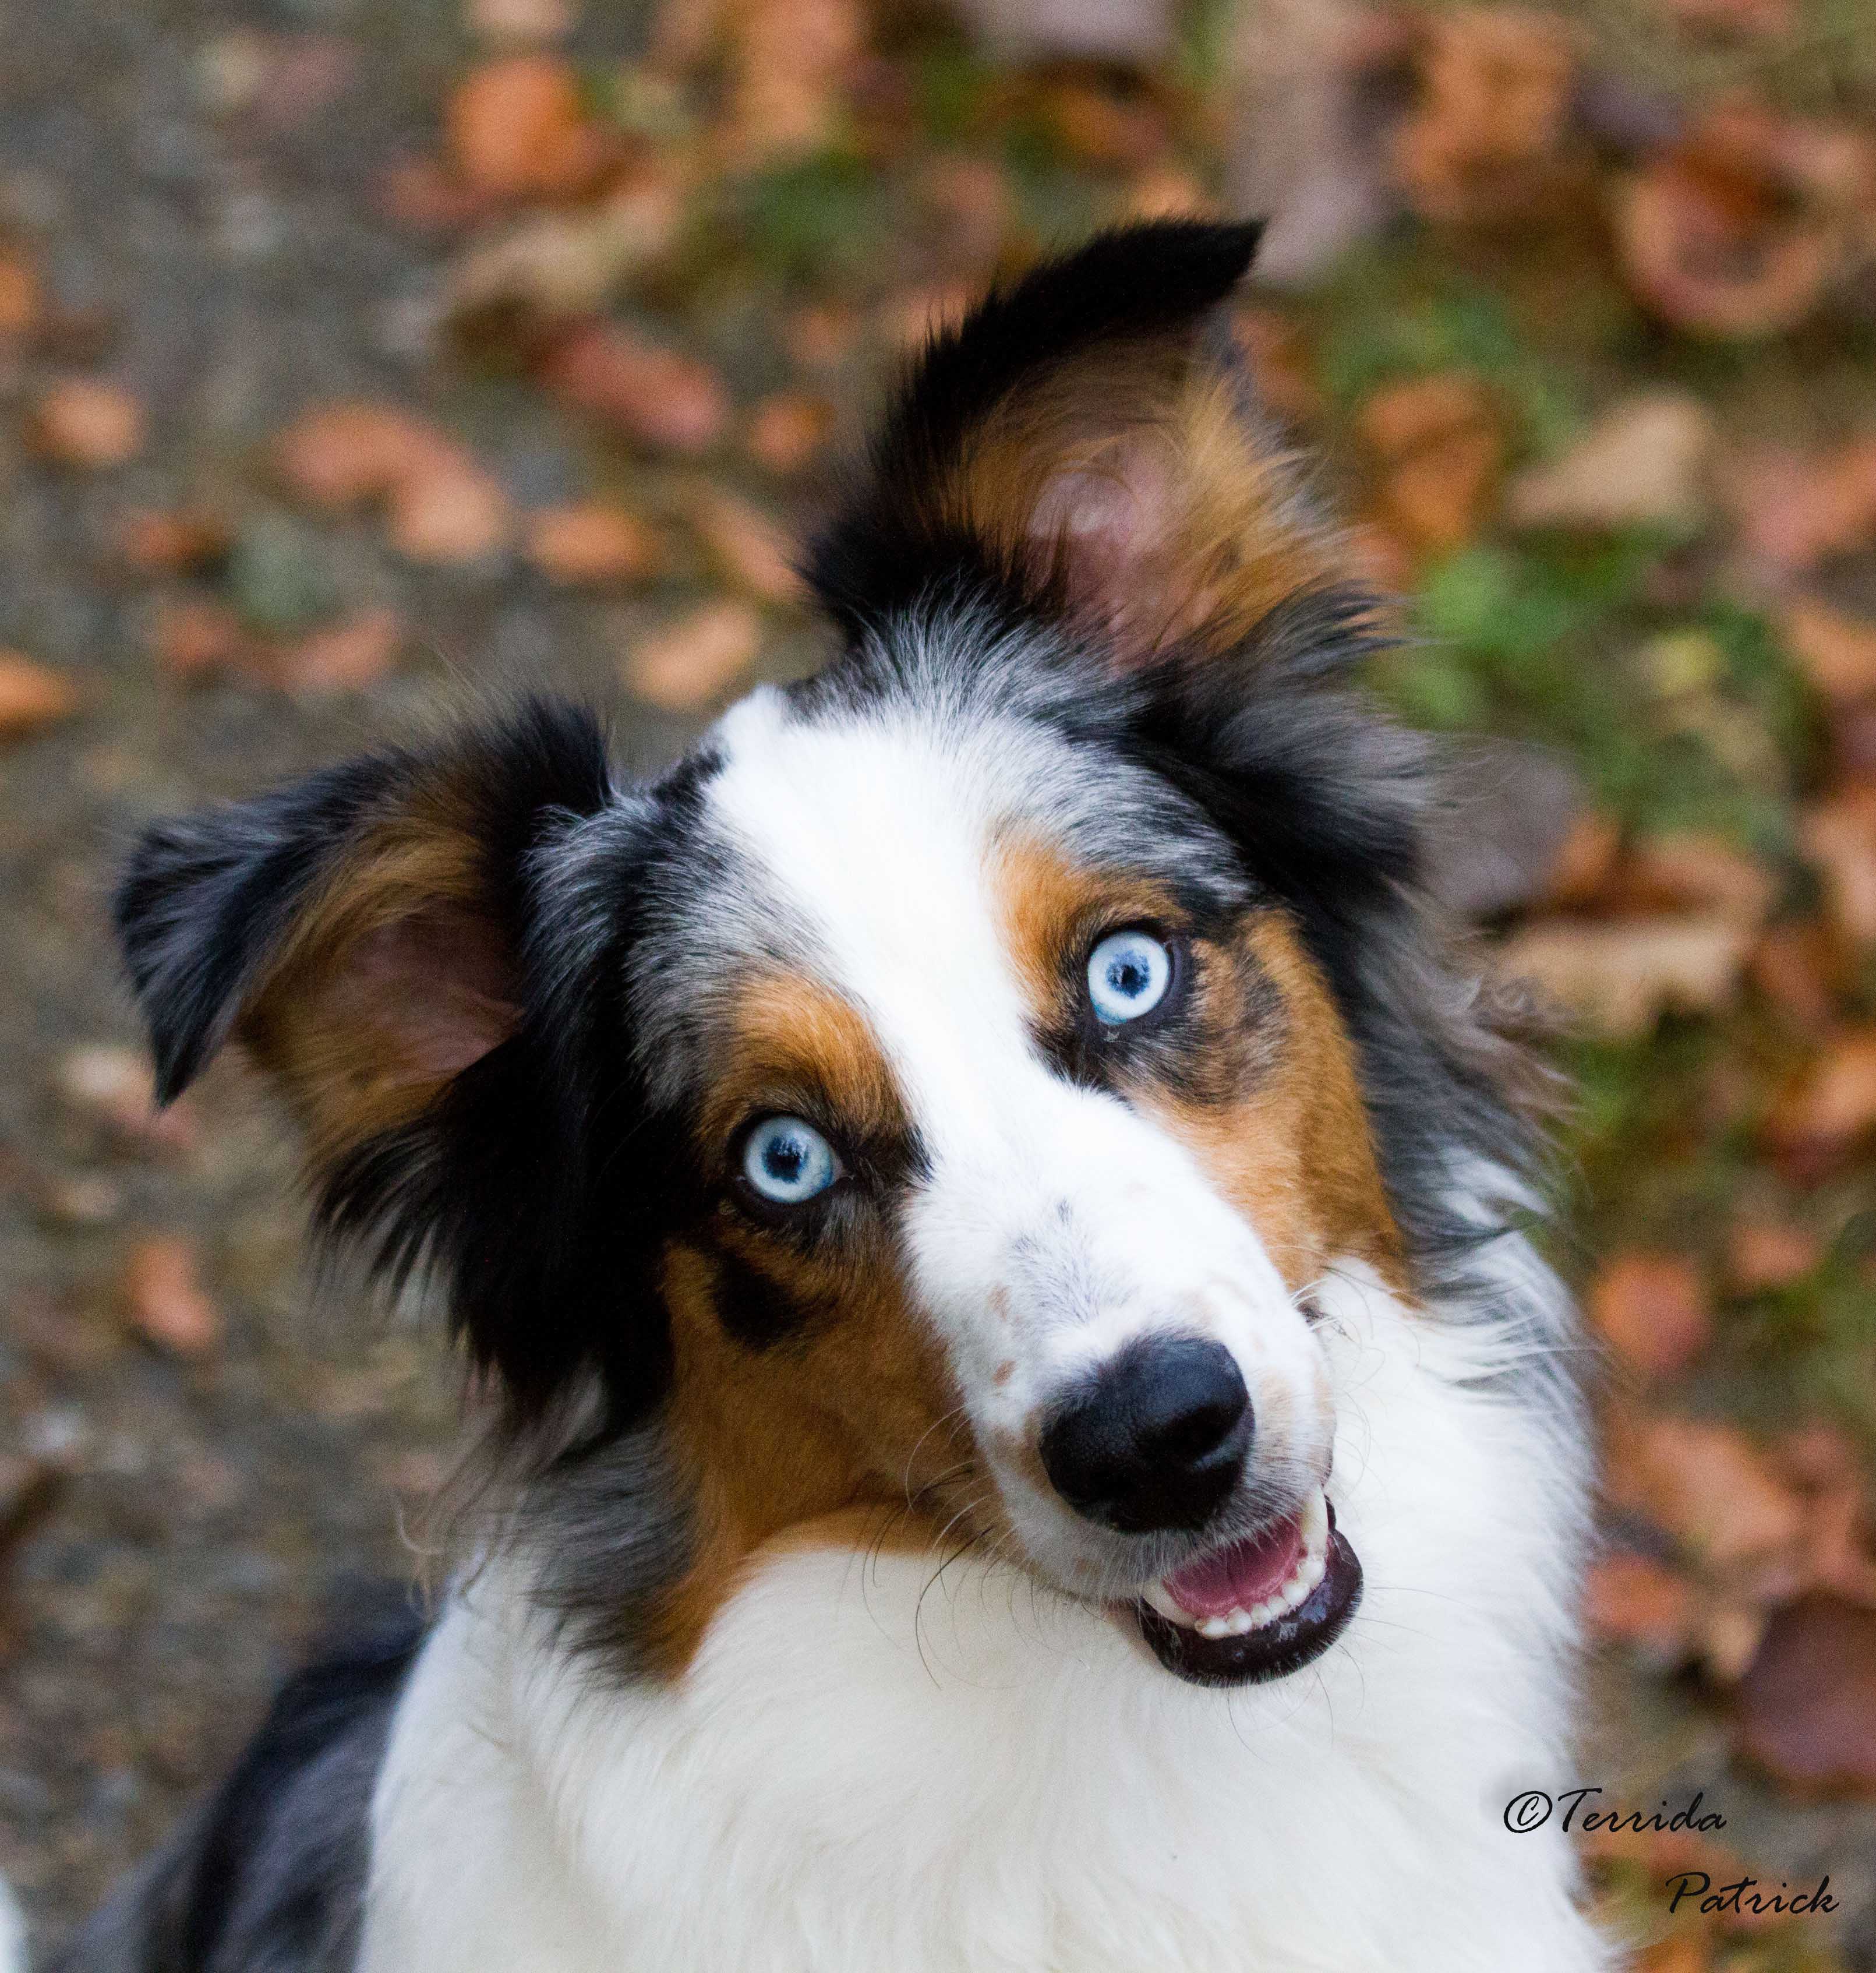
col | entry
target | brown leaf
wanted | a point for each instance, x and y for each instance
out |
(655, 396)
(1795, 965)
(591, 541)
(346, 656)
(1766, 1254)
(454, 513)
(1688, 871)
(1797, 510)
(749, 547)
(163, 1298)
(1807, 1705)
(1631, 1599)
(113, 1088)
(1652, 1311)
(971, 207)
(1482, 142)
(789, 64)
(1830, 1108)
(1680, 1953)
(1165, 192)
(520, 21)
(85, 422)
(1644, 463)
(1096, 127)
(179, 542)
(194, 638)
(341, 455)
(786, 430)
(1439, 449)
(19, 301)
(1621, 974)
(1835, 652)
(1707, 1485)
(518, 129)
(32, 696)
(1586, 860)
(1839, 836)
(1278, 361)
(694, 661)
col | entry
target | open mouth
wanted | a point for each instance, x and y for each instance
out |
(1258, 1609)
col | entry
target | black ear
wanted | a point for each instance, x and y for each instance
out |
(1087, 438)
(370, 936)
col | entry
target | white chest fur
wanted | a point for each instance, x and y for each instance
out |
(868, 1770)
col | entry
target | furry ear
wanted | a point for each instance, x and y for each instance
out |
(368, 935)
(1088, 439)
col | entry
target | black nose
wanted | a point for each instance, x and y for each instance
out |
(1156, 1439)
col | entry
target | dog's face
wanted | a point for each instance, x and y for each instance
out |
(939, 1094)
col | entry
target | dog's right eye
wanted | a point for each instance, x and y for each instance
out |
(788, 1162)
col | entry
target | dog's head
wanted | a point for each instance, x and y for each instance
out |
(945, 1085)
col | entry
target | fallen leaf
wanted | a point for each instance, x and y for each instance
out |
(1165, 192)
(341, 455)
(1706, 1484)
(749, 547)
(1830, 1107)
(654, 395)
(1439, 449)
(32, 696)
(1586, 860)
(1278, 361)
(425, 195)
(346, 656)
(1688, 871)
(1764, 1254)
(19, 297)
(786, 430)
(520, 21)
(1796, 510)
(451, 513)
(695, 660)
(1643, 463)
(1652, 1310)
(1807, 1705)
(1482, 142)
(591, 541)
(1680, 1953)
(1712, 239)
(1836, 652)
(177, 542)
(194, 638)
(1794, 965)
(113, 1088)
(1096, 127)
(971, 207)
(518, 129)
(85, 423)
(1631, 1599)
(788, 61)
(163, 1298)
(1839, 836)
(1619, 975)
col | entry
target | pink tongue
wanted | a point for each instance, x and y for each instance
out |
(1235, 1577)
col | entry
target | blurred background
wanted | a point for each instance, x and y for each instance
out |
(354, 353)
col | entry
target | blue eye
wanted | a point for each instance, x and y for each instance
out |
(788, 1162)
(1128, 973)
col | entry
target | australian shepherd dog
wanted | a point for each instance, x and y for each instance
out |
(989, 1222)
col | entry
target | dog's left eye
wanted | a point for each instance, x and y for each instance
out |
(788, 1162)
(1128, 973)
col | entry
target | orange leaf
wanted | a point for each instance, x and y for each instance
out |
(32, 696)
(87, 424)
(1652, 1310)
(163, 1299)
(696, 660)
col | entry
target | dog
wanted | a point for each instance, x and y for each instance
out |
(989, 1217)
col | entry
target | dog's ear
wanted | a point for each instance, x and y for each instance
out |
(1089, 437)
(369, 935)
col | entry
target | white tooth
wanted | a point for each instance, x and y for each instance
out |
(1240, 1621)
(1169, 1607)
(1266, 1612)
(1215, 1626)
(1315, 1519)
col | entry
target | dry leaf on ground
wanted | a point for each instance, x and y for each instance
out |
(566, 264)
(1708, 1486)
(692, 662)
(1688, 871)
(1644, 463)
(340, 455)
(1482, 142)
(453, 512)
(163, 1298)
(1619, 975)
(1839, 836)
(1438, 446)
(521, 21)
(1796, 509)
(85, 423)
(32, 696)
(20, 300)
(1652, 1310)
(1632, 1599)
(750, 548)
(346, 656)
(1807, 1704)
(788, 63)
(518, 129)
(177, 542)
(656, 396)
(786, 430)
(194, 638)
(1828, 1109)
(591, 541)
(1835, 651)
(1766, 1254)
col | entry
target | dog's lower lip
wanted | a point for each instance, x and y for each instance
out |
(1281, 1632)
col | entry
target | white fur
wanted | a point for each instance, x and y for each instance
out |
(867, 1771)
